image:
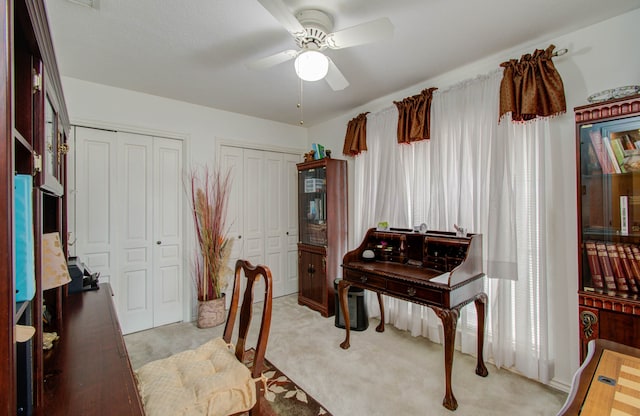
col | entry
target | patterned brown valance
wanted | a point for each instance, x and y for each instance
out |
(532, 87)
(414, 117)
(355, 139)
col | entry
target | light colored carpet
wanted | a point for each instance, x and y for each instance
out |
(390, 373)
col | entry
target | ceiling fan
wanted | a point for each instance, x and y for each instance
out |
(312, 31)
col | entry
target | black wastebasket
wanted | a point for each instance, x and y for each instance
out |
(358, 316)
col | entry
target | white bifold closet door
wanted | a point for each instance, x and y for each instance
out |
(263, 211)
(133, 232)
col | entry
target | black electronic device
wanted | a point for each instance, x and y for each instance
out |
(81, 276)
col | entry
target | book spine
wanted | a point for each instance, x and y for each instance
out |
(618, 151)
(624, 215)
(605, 265)
(601, 153)
(635, 262)
(635, 267)
(616, 265)
(612, 156)
(594, 265)
(626, 266)
(627, 144)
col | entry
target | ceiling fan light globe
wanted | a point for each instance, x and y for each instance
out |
(311, 65)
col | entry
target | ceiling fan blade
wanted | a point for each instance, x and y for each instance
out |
(272, 60)
(335, 79)
(282, 14)
(373, 31)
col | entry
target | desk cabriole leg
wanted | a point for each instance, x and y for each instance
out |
(481, 302)
(343, 290)
(380, 327)
(449, 318)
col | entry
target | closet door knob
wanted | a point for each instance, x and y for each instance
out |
(158, 242)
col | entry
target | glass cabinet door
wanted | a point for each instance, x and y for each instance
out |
(610, 204)
(50, 143)
(50, 180)
(312, 206)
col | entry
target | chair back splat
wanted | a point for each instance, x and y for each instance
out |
(252, 274)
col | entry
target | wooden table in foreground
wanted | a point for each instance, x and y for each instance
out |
(607, 382)
(436, 269)
(88, 370)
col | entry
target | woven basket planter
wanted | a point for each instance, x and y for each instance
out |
(211, 312)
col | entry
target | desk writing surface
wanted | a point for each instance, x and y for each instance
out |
(401, 271)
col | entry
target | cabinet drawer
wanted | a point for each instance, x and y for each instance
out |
(418, 293)
(365, 279)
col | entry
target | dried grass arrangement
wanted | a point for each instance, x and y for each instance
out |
(209, 192)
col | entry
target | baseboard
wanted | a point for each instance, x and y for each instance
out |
(559, 385)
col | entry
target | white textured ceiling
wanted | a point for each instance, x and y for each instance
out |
(196, 50)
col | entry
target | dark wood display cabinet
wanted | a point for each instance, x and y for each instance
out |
(34, 124)
(608, 179)
(322, 220)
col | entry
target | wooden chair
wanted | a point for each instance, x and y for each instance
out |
(217, 378)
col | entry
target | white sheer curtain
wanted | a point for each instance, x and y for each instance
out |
(486, 177)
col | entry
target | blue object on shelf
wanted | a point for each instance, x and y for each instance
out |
(23, 238)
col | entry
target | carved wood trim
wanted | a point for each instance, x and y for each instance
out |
(612, 108)
(627, 306)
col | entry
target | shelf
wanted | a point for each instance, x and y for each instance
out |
(21, 307)
(20, 139)
(610, 233)
(629, 297)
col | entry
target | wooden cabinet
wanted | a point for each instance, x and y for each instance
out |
(322, 221)
(608, 179)
(33, 110)
(312, 275)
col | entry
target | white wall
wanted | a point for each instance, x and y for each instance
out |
(600, 57)
(103, 105)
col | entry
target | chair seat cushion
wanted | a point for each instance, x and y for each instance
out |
(206, 381)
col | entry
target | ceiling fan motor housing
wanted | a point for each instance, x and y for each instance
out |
(317, 25)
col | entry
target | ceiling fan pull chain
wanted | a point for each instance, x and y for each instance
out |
(300, 106)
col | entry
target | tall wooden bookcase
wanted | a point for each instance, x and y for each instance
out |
(34, 124)
(322, 220)
(608, 179)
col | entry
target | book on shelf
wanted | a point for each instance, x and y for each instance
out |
(634, 257)
(23, 241)
(590, 162)
(627, 143)
(618, 151)
(635, 265)
(626, 267)
(612, 156)
(601, 152)
(605, 266)
(624, 215)
(616, 266)
(594, 265)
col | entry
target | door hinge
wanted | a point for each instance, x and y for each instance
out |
(37, 163)
(37, 82)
